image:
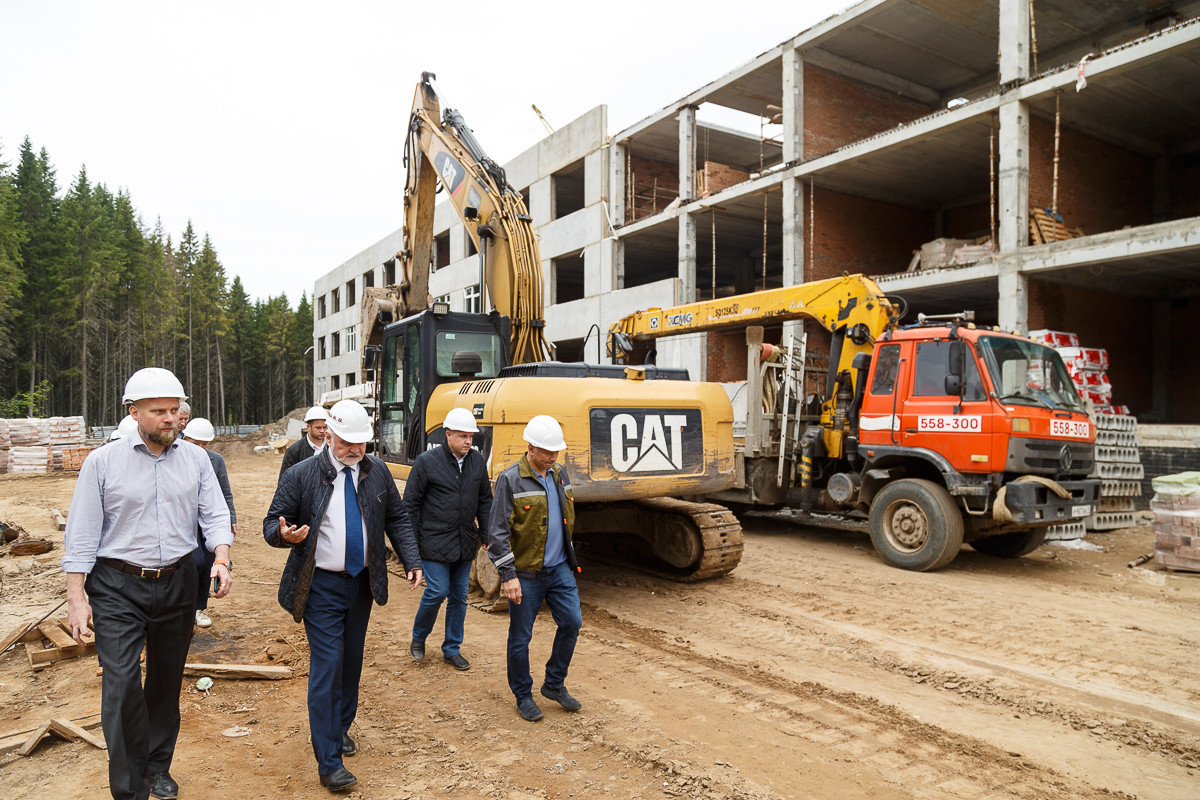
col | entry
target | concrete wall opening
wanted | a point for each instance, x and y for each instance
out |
(566, 278)
(569, 350)
(441, 251)
(568, 190)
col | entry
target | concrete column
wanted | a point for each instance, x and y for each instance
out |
(616, 185)
(1013, 201)
(618, 263)
(1160, 397)
(1015, 43)
(687, 257)
(793, 151)
(687, 152)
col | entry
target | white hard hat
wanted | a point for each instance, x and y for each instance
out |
(153, 382)
(544, 431)
(349, 422)
(125, 427)
(200, 429)
(460, 419)
(316, 412)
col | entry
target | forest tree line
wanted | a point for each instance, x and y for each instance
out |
(89, 294)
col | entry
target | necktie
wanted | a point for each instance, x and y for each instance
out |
(354, 531)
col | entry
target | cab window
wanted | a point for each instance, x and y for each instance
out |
(933, 365)
(886, 368)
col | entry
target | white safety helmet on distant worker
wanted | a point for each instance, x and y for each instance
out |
(153, 382)
(460, 419)
(124, 428)
(348, 421)
(200, 429)
(544, 431)
(316, 412)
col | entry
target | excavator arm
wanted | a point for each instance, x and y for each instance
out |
(440, 147)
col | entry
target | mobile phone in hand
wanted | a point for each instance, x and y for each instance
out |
(216, 584)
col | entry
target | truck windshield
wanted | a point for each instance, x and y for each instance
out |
(1028, 373)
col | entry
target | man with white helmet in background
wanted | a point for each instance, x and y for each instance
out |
(333, 512)
(200, 432)
(448, 499)
(185, 416)
(529, 540)
(128, 548)
(316, 418)
(124, 428)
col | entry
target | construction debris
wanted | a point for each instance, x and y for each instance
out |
(62, 728)
(21, 630)
(52, 642)
(60, 519)
(240, 671)
(1046, 227)
(31, 547)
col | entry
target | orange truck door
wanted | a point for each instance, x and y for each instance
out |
(929, 419)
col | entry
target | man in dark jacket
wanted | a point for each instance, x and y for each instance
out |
(335, 528)
(448, 499)
(529, 540)
(312, 441)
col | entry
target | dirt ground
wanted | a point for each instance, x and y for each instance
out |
(813, 671)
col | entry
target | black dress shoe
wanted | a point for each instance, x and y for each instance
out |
(417, 650)
(349, 748)
(458, 662)
(163, 786)
(339, 781)
(561, 697)
(528, 709)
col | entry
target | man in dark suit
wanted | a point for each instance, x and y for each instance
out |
(316, 418)
(333, 512)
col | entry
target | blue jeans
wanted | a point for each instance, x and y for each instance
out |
(555, 585)
(335, 619)
(444, 581)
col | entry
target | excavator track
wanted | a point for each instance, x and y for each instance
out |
(674, 539)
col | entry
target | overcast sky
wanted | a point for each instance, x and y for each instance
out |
(278, 127)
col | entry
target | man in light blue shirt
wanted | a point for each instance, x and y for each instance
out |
(131, 528)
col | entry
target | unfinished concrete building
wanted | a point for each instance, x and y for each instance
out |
(1054, 185)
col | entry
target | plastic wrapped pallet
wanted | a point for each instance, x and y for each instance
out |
(56, 459)
(28, 460)
(4, 441)
(3, 461)
(1176, 507)
(65, 430)
(43, 429)
(22, 432)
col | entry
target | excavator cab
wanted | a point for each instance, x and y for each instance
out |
(422, 352)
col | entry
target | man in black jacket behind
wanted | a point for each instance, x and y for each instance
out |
(448, 499)
(311, 442)
(333, 511)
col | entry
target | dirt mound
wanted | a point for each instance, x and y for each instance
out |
(228, 443)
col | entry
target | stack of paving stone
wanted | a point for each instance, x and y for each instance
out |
(1176, 507)
(28, 460)
(72, 457)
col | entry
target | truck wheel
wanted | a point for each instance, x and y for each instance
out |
(916, 525)
(1011, 545)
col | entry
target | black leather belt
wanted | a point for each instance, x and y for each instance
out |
(151, 573)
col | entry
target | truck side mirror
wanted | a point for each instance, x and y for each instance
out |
(956, 358)
(953, 384)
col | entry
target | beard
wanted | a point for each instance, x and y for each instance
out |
(161, 438)
(348, 460)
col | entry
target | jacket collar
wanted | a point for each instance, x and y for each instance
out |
(526, 471)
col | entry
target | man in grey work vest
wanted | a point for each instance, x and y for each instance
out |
(129, 541)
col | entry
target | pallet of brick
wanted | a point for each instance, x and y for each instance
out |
(65, 430)
(1176, 507)
(22, 432)
(72, 457)
(28, 460)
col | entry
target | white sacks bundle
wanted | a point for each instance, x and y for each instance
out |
(65, 430)
(22, 432)
(28, 460)
(4, 441)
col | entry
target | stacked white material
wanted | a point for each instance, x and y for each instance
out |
(43, 427)
(22, 432)
(1176, 507)
(1066, 531)
(28, 460)
(4, 441)
(1087, 366)
(66, 430)
(3, 461)
(1119, 467)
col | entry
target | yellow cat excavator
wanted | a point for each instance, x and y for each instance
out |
(637, 438)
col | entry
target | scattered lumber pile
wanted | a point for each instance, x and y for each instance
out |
(1047, 228)
(51, 642)
(24, 741)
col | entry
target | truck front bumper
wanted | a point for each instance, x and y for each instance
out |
(1035, 503)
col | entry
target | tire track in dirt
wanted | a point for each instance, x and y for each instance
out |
(906, 751)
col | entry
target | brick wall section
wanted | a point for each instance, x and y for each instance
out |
(970, 222)
(854, 234)
(1159, 461)
(838, 111)
(1101, 187)
(714, 177)
(727, 356)
(655, 184)
(1185, 186)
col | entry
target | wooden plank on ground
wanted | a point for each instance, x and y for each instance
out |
(54, 632)
(70, 731)
(33, 740)
(60, 519)
(239, 671)
(10, 740)
(22, 630)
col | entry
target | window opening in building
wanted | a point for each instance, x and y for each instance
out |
(389, 272)
(441, 251)
(471, 248)
(368, 279)
(351, 338)
(566, 278)
(336, 296)
(350, 299)
(335, 382)
(321, 307)
(350, 379)
(335, 342)
(568, 190)
(321, 349)
(472, 300)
